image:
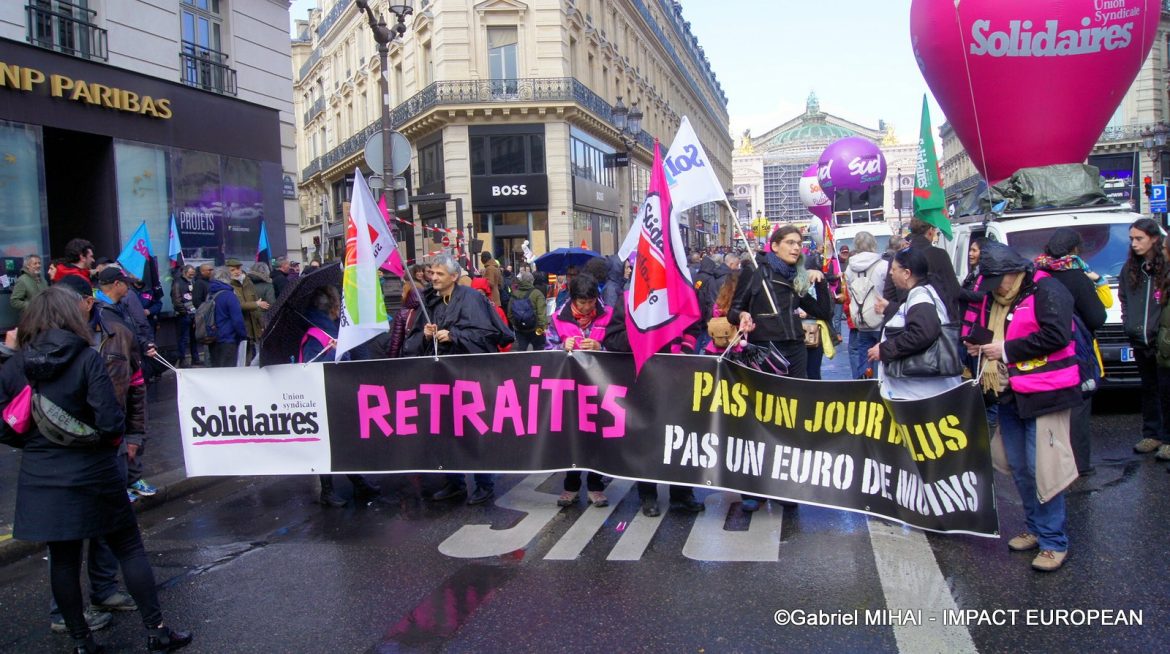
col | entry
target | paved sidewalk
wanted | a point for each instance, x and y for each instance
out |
(162, 460)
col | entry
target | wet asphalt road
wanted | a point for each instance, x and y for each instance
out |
(254, 565)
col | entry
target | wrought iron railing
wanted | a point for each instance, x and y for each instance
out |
(206, 69)
(479, 92)
(316, 109)
(338, 9)
(309, 63)
(68, 28)
(1126, 132)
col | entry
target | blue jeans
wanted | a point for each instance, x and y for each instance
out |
(1045, 520)
(859, 344)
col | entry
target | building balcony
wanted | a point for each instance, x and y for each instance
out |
(1122, 133)
(206, 69)
(338, 9)
(454, 93)
(66, 28)
(315, 110)
(309, 63)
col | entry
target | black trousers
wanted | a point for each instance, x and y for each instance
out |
(65, 578)
(648, 490)
(1080, 435)
(1155, 395)
(592, 481)
(797, 354)
(526, 339)
(224, 355)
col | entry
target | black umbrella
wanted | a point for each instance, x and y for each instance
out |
(281, 339)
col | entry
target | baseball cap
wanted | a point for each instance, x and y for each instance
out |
(111, 274)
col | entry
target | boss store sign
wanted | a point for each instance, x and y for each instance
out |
(509, 192)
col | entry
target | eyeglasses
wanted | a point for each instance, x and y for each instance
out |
(791, 243)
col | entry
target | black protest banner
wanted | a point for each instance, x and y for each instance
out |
(687, 419)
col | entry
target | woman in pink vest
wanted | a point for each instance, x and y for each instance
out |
(1030, 374)
(580, 325)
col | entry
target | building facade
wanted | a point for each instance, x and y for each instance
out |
(767, 169)
(1119, 153)
(508, 108)
(113, 114)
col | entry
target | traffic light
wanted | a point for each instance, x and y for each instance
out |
(1149, 185)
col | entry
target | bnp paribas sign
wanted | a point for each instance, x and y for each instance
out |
(33, 80)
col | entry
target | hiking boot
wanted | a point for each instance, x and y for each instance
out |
(650, 507)
(119, 601)
(330, 498)
(94, 618)
(1147, 445)
(481, 495)
(567, 498)
(688, 504)
(1024, 542)
(165, 639)
(598, 499)
(1048, 560)
(1163, 453)
(142, 488)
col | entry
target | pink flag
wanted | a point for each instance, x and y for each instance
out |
(382, 235)
(661, 304)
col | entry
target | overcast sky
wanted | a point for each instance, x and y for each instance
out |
(769, 54)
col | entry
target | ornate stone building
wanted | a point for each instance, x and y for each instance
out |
(767, 169)
(508, 106)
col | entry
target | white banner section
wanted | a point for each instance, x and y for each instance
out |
(250, 421)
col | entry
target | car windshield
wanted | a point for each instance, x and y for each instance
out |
(1104, 247)
(883, 242)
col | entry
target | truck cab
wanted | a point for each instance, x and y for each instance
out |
(1104, 231)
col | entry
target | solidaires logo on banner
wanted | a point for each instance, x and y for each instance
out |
(687, 419)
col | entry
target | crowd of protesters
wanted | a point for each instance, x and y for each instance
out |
(1016, 326)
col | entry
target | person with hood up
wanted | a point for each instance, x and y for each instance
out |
(229, 320)
(30, 284)
(67, 494)
(528, 314)
(1030, 373)
(865, 277)
(319, 344)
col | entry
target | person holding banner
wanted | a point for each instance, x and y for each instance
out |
(766, 304)
(911, 332)
(319, 344)
(581, 325)
(460, 324)
(1029, 369)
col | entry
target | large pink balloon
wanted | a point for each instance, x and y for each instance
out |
(1044, 78)
(812, 196)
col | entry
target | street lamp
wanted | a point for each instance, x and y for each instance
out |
(383, 35)
(628, 122)
(901, 199)
(1153, 142)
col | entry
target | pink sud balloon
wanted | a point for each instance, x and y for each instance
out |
(1044, 78)
(852, 163)
(812, 196)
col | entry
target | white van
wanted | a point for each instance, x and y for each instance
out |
(844, 234)
(1105, 248)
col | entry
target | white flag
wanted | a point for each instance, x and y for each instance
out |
(689, 175)
(363, 309)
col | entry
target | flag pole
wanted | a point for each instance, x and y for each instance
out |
(751, 255)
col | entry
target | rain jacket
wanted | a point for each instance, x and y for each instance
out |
(1139, 308)
(27, 287)
(229, 317)
(467, 315)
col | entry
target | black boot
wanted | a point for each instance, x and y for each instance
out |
(328, 497)
(165, 639)
(87, 646)
(364, 491)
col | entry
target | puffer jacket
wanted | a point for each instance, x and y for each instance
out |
(1140, 308)
(404, 321)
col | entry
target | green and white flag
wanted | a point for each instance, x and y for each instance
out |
(930, 205)
(363, 309)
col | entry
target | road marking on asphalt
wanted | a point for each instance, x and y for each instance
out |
(573, 542)
(709, 541)
(911, 579)
(475, 541)
(637, 536)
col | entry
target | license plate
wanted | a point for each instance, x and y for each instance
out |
(1126, 354)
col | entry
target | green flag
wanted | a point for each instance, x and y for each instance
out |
(930, 204)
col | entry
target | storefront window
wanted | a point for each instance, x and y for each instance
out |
(583, 229)
(22, 213)
(608, 243)
(198, 208)
(243, 208)
(507, 155)
(143, 185)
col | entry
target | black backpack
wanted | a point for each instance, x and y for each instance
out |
(523, 313)
(205, 327)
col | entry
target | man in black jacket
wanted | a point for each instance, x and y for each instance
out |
(280, 276)
(941, 276)
(1061, 260)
